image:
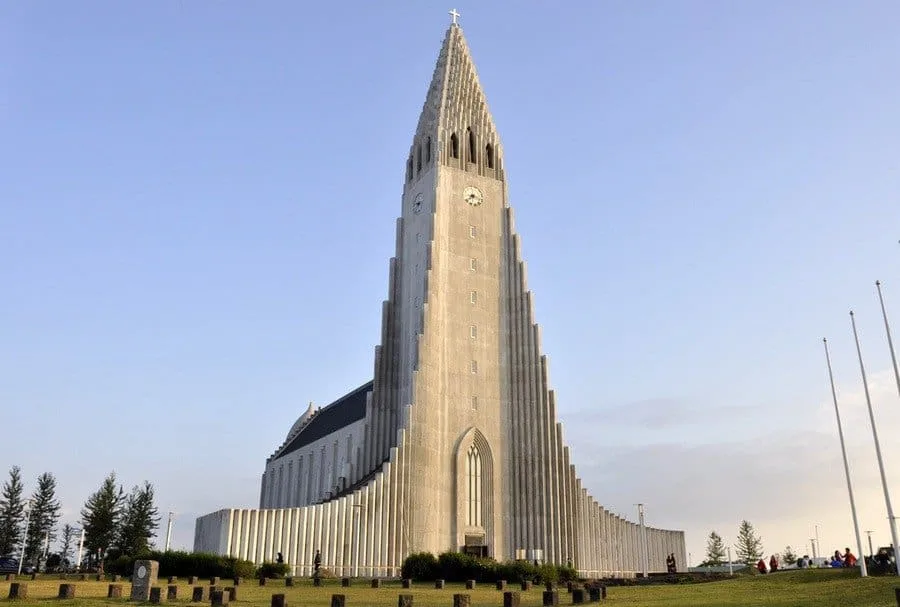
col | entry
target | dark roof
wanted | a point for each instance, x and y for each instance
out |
(342, 412)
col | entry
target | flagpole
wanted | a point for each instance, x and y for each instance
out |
(887, 495)
(862, 561)
(887, 329)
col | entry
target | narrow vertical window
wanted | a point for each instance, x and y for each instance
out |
(472, 231)
(454, 146)
(475, 403)
(489, 155)
(473, 264)
(471, 137)
(473, 473)
(473, 331)
(428, 150)
(473, 296)
(409, 169)
(418, 158)
(474, 366)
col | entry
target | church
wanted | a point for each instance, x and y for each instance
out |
(454, 444)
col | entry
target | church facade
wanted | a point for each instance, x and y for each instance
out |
(455, 443)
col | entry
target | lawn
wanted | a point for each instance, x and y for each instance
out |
(825, 588)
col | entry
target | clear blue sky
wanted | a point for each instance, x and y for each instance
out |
(197, 206)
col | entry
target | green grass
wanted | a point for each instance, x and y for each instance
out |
(824, 588)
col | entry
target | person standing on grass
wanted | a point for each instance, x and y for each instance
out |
(773, 564)
(849, 559)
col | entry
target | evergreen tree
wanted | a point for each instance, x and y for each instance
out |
(67, 545)
(140, 520)
(788, 558)
(749, 545)
(715, 550)
(100, 517)
(43, 518)
(12, 512)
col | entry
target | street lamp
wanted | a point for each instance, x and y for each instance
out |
(871, 552)
(25, 534)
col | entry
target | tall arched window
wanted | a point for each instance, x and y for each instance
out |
(409, 170)
(473, 475)
(418, 158)
(471, 137)
(489, 155)
(428, 150)
(454, 146)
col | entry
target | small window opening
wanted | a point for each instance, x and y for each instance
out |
(473, 264)
(473, 332)
(489, 155)
(475, 403)
(471, 136)
(428, 150)
(418, 158)
(474, 366)
(472, 231)
(473, 296)
(454, 146)
(409, 169)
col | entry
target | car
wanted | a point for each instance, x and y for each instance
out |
(10, 564)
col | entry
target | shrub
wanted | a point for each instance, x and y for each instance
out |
(184, 564)
(420, 566)
(272, 570)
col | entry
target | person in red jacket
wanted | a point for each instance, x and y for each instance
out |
(773, 563)
(849, 559)
(761, 566)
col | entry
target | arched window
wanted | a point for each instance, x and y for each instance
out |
(471, 137)
(489, 155)
(418, 158)
(428, 150)
(454, 146)
(473, 475)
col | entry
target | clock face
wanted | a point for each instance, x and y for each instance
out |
(417, 203)
(142, 572)
(473, 196)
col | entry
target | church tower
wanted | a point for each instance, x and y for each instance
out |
(455, 444)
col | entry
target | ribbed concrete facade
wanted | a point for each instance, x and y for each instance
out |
(459, 447)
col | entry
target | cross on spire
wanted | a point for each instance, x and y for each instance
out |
(454, 15)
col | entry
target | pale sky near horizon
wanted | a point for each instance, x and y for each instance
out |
(197, 207)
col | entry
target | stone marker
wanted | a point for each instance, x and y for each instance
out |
(232, 592)
(278, 600)
(33, 577)
(404, 600)
(461, 600)
(262, 581)
(501, 584)
(338, 600)
(407, 583)
(603, 592)
(551, 598)
(114, 591)
(549, 586)
(526, 585)
(201, 594)
(172, 592)
(594, 593)
(193, 580)
(83, 577)
(317, 581)
(98, 577)
(18, 590)
(66, 591)
(470, 584)
(897, 594)
(288, 581)
(577, 596)
(214, 581)
(218, 597)
(10, 577)
(156, 595)
(345, 582)
(376, 583)
(438, 584)
(511, 599)
(116, 578)
(144, 578)
(173, 579)
(569, 587)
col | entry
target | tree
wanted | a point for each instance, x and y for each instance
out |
(100, 517)
(65, 550)
(43, 518)
(788, 557)
(140, 520)
(12, 510)
(715, 550)
(749, 545)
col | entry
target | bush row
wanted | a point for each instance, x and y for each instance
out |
(458, 567)
(183, 564)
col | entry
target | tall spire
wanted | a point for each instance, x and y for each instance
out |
(455, 100)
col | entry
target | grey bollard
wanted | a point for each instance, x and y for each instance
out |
(345, 582)
(156, 595)
(232, 593)
(171, 592)
(18, 590)
(897, 594)
(338, 600)
(551, 598)
(438, 584)
(192, 580)
(288, 581)
(10, 577)
(66, 591)
(470, 584)
(114, 591)
(525, 585)
(376, 583)
(577, 596)
(262, 581)
(501, 584)
(407, 583)
(511, 599)
(218, 598)
(278, 600)
(594, 593)
(173, 579)
(200, 595)
(317, 581)
(462, 600)
(214, 581)
(405, 600)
